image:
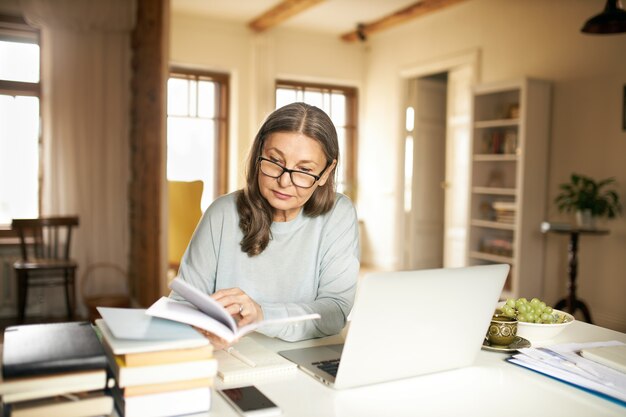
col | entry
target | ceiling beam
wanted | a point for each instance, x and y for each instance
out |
(281, 12)
(419, 8)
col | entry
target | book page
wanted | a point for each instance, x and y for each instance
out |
(204, 303)
(253, 326)
(168, 308)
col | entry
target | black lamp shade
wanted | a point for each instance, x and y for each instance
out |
(611, 20)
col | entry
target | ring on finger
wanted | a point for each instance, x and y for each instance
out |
(240, 308)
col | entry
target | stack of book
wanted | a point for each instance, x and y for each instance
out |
(497, 246)
(56, 369)
(505, 211)
(161, 368)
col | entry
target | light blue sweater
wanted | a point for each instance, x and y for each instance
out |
(310, 265)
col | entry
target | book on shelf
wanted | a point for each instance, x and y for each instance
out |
(44, 349)
(249, 361)
(76, 405)
(509, 206)
(204, 312)
(173, 403)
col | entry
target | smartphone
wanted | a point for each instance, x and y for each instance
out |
(250, 402)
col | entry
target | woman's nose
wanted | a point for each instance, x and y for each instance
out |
(285, 179)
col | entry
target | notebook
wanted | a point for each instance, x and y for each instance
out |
(409, 323)
(611, 356)
(248, 361)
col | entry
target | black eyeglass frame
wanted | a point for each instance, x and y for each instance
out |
(290, 171)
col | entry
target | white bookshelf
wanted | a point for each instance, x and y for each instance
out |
(510, 143)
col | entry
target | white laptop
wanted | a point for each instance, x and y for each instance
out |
(409, 323)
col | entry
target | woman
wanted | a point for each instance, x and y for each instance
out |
(287, 244)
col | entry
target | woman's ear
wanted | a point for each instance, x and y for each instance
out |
(327, 173)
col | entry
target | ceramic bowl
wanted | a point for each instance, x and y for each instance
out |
(537, 332)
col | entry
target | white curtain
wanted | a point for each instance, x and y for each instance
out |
(86, 76)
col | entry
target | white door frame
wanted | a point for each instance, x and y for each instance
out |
(469, 59)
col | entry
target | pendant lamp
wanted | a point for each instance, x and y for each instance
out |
(611, 20)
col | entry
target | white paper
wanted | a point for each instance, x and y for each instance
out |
(564, 362)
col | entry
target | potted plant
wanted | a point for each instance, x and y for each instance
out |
(589, 199)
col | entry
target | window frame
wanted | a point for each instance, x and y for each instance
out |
(222, 117)
(15, 29)
(351, 125)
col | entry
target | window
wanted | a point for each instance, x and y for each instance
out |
(197, 130)
(19, 121)
(340, 103)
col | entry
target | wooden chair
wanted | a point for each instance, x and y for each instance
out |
(45, 248)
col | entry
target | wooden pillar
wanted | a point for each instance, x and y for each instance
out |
(148, 139)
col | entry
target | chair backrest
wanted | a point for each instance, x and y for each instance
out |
(45, 237)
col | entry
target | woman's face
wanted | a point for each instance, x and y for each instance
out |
(292, 151)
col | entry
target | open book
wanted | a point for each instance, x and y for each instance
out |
(206, 313)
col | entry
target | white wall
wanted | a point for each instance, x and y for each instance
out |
(516, 38)
(219, 46)
(254, 62)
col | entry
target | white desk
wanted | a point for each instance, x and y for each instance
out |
(492, 387)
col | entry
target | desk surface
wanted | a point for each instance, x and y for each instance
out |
(462, 392)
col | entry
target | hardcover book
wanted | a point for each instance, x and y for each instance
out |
(86, 404)
(168, 372)
(33, 387)
(174, 403)
(45, 349)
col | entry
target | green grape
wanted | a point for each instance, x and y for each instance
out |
(533, 311)
(508, 311)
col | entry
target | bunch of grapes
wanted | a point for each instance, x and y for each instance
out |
(533, 311)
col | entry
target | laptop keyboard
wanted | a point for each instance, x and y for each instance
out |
(329, 366)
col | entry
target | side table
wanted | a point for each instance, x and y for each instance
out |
(571, 301)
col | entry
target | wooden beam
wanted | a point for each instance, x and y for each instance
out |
(281, 12)
(419, 8)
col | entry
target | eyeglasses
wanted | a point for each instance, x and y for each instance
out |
(298, 178)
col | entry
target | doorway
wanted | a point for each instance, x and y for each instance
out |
(424, 156)
(436, 156)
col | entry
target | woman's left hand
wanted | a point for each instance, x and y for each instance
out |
(239, 304)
